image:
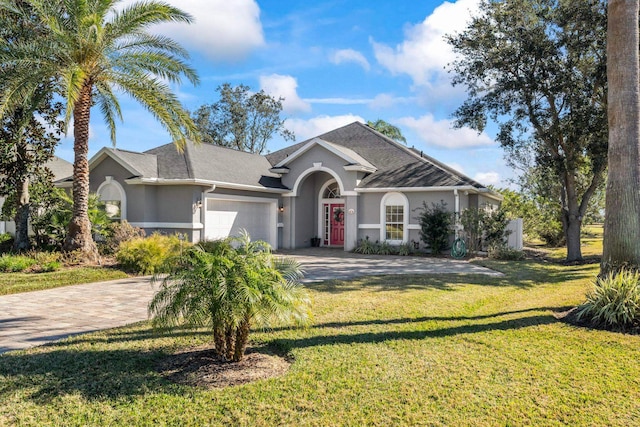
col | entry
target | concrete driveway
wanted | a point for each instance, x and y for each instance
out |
(322, 264)
(36, 318)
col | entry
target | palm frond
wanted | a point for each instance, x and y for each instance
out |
(109, 106)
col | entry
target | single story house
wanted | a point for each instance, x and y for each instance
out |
(341, 186)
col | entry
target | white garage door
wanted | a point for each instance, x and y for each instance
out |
(227, 217)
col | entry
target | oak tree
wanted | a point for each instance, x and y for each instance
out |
(537, 69)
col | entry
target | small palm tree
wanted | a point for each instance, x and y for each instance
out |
(230, 285)
(90, 51)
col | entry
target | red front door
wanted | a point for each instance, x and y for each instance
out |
(336, 234)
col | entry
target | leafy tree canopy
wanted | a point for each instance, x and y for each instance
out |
(241, 120)
(388, 130)
(537, 68)
(90, 51)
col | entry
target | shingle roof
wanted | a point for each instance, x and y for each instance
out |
(397, 165)
(214, 163)
(60, 168)
(145, 164)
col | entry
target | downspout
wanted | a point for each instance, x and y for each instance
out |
(456, 212)
(203, 209)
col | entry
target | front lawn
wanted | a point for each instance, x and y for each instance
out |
(13, 283)
(402, 350)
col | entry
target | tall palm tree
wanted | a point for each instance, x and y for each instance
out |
(622, 219)
(93, 52)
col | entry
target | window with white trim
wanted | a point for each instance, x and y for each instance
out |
(394, 218)
(112, 195)
(394, 222)
(332, 191)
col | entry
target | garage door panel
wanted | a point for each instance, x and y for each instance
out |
(226, 218)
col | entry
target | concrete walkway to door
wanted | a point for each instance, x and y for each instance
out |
(35, 318)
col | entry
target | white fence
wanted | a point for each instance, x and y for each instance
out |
(515, 234)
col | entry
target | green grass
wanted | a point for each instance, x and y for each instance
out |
(13, 283)
(591, 240)
(402, 350)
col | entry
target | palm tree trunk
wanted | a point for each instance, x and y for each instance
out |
(21, 242)
(242, 337)
(230, 336)
(219, 341)
(79, 236)
(622, 209)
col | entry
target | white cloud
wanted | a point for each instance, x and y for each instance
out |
(424, 53)
(305, 129)
(487, 178)
(441, 133)
(349, 55)
(339, 101)
(286, 87)
(386, 100)
(222, 30)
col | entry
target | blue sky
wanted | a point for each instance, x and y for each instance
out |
(334, 62)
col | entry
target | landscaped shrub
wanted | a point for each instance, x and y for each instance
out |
(51, 224)
(366, 247)
(117, 233)
(15, 263)
(435, 226)
(230, 285)
(147, 255)
(48, 267)
(405, 249)
(472, 220)
(505, 253)
(494, 228)
(613, 302)
(484, 229)
(384, 248)
(6, 242)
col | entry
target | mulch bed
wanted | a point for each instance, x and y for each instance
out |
(201, 367)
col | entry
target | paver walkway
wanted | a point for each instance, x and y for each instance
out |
(35, 318)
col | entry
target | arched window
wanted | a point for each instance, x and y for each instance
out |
(394, 218)
(113, 196)
(332, 191)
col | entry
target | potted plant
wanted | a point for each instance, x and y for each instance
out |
(315, 242)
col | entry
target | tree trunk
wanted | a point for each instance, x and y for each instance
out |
(572, 218)
(242, 337)
(21, 242)
(79, 236)
(219, 341)
(622, 209)
(572, 226)
(230, 336)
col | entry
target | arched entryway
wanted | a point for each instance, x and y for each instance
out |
(331, 224)
(314, 212)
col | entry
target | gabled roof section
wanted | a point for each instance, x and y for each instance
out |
(397, 165)
(348, 155)
(211, 163)
(138, 164)
(60, 168)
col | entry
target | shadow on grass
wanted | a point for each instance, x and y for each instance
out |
(103, 371)
(435, 318)
(288, 344)
(519, 274)
(117, 336)
(95, 374)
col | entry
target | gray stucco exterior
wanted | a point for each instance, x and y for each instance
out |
(208, 191)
